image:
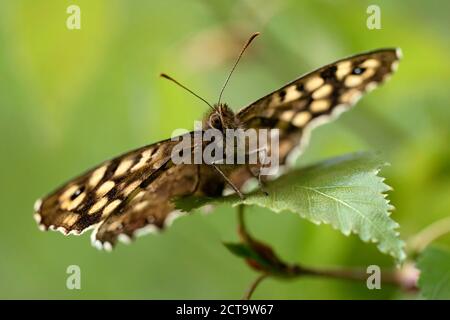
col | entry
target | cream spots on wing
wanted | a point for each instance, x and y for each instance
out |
(285, 146)
(131, 187)
(123, 167)
(111, 207)
(145, 156)
(343, 69)
(37, 205)
(370, 63)
(97, 176)
(159, 163)
(139, 195)
(351, 97)
(71, 205)
(269, 112)
(69, 192)
(394, 66)
(287, 115)
(105, 188)
(98, 205)
(71, 219)
(356, 79)
(320, 105)
(141, 205)
(37, 217)
(292, 94)
(368, 73)
(313, 83)
(323, 91)
(386, 77)
(275, 101)
(116, 225)
(301, 119)
(353, 80)
(371, 85)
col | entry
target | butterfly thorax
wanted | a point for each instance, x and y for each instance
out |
(221, 118)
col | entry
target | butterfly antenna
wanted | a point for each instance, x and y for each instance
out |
(185, 88)
(253, 36)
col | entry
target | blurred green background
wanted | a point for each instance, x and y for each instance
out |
(70, 99)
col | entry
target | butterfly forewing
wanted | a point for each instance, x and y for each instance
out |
(90, 198)
(317, 96)
(313, 99)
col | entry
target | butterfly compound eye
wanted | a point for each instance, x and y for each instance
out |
(215, 122)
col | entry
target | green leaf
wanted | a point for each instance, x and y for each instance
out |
(245, 251)
(345, 192)
(434, 280)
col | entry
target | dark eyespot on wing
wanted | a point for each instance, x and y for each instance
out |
(77, 193)
(358, 70)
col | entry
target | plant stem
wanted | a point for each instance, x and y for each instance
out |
(427, 235)
(242, 229)
(253, 285)
(404, 278)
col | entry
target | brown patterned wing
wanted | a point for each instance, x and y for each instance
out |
(316, 98)
(151, 210)
(91, 198)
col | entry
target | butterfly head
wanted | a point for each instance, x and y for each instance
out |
(221, 118)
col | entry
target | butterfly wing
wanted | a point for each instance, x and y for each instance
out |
(90, 198)
(151, 209)
(318, 97)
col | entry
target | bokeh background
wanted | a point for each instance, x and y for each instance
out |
(71, 98)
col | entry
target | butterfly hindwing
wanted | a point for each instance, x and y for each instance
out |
(151, 209)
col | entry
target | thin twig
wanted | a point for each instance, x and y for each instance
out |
(427, 235)
(254, 284)
(404, 278)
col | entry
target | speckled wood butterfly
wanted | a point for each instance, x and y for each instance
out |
(132, 193)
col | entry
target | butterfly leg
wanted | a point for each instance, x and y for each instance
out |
(257, 175)
(263, 160)
(263, 153)
(262, 185)
(230, 183)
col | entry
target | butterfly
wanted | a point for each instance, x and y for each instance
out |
(132, 194)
